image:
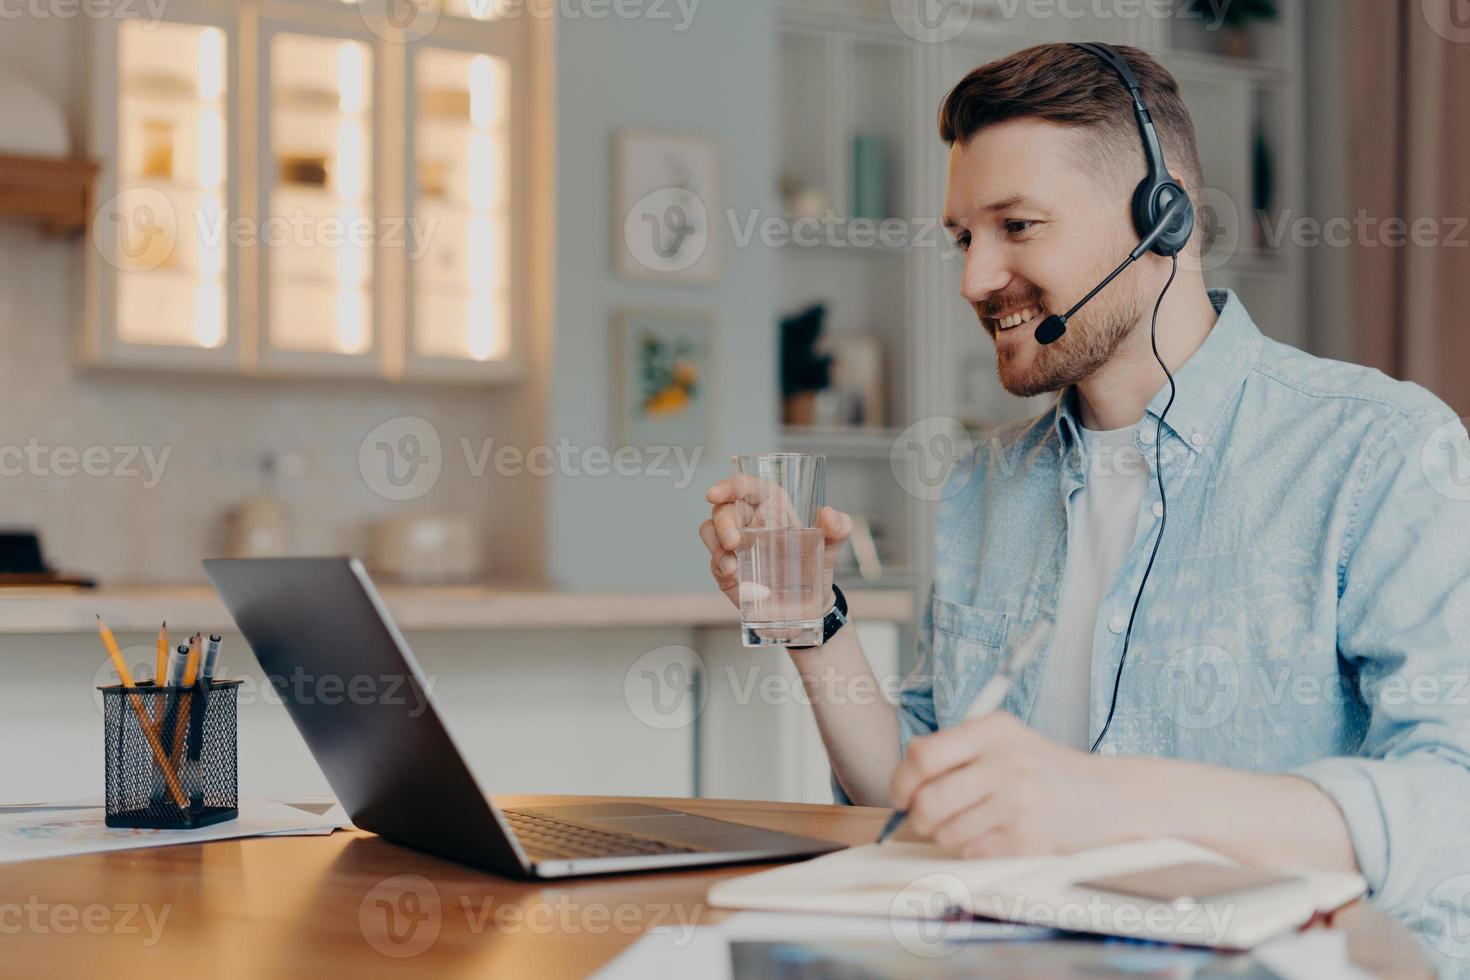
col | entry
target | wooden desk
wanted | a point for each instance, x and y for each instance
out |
(308, 907)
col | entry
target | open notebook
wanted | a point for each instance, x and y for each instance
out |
(920, 880)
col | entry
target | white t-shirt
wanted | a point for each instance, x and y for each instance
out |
(1101, 522)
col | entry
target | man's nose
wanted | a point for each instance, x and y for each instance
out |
(985, 274)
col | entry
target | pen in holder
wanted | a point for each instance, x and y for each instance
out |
(170, 754)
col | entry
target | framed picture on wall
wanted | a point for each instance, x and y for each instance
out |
(665, 366)
(666, 206)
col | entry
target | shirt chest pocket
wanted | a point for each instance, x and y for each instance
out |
(968, 642)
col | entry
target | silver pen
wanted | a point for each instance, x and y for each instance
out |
(211, 660)
(991, 697)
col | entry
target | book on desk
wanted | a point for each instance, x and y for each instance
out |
(901, 879)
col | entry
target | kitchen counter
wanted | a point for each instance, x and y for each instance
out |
(463, 608)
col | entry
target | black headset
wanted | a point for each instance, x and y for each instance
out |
(1164, 218)
(1157, 190)
(1163, 215)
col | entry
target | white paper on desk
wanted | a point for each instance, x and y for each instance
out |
(35, 834)
(331, 815)
(704, 951)
(1310, 955)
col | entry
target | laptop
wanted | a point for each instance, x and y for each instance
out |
(395, 767)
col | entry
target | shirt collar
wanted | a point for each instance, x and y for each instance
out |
(1203, 385)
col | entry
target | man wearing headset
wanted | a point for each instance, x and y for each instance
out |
(1281, 677)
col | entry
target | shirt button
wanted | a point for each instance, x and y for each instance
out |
(1117, 623)
(1198, 438)
(1158, 508)
(1146, 435)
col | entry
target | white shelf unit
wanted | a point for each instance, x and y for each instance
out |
(163, 284)
(311, 115)
(847, 66)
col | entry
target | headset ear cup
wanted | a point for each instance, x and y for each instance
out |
(1149, 201)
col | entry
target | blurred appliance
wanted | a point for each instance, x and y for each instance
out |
(804, 371)
(260, 526)
(857, 379)
(430, 549)
(22, 564)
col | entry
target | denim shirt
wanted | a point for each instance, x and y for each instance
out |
(1308, 611)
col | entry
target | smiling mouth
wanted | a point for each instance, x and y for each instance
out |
(1014, 319)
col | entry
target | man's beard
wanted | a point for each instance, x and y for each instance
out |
(1084, 348)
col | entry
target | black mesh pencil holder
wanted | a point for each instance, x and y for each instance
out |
(170, 755)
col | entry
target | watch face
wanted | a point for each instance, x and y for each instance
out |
(837, 618)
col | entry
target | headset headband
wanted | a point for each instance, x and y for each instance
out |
(1152, 150)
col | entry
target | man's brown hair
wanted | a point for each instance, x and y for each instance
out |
(1064, 84)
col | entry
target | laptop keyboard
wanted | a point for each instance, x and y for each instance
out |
(547, 836)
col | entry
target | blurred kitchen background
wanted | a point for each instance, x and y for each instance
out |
(486, 293)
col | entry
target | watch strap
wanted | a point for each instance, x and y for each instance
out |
(835, 619)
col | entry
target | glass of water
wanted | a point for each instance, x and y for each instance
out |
(778, 498)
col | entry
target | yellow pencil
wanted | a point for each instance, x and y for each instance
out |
(159, 756)
(110, 641)
(191, 666)
(160, 666)
(160, 661)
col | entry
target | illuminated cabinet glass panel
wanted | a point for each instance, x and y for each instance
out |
(171, 252)
(318, 242)
(473, 9)
(460, 264)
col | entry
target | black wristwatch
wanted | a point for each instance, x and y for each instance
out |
(835, 619)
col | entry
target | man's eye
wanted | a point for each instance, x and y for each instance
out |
(1018, 227)
(961, 243)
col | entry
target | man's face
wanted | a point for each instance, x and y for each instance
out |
(1039, 231)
